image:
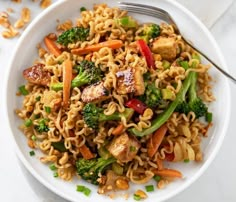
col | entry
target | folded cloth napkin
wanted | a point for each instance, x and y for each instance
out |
(208, 11)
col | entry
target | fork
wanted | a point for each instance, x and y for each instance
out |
(164, 15)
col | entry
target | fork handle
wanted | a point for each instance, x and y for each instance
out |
(206, 57)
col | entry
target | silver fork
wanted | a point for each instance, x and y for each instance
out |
(164, 15)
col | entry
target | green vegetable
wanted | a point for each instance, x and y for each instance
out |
(117, 168)
(137, 197)
(208, 117)
(164, 116)
(55, 174)
(167, 94)
(157, 178)
(33, 138)
(184, 64)
(152, 95)
(149, 31)
(166, 64)
(132, 148)
(73, 35)
(91, 169)
(38, 98)
(52, 167)
(23, 91)
(36, 116)
(104, 153)
(93, 115)
(47, 109)
(88, 74)
(32, 153)
(83, 189)
(42, 127)
(59, 146)
(186, 160)
(126, 22)
(28, 122)
(149, 188)
(82, 9)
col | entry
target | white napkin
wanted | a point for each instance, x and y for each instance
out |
(208, 11)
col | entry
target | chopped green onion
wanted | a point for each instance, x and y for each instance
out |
(33, 138)
(184, 64)
(55, 174)
(186, 160)
(52, 167)
(166, 64)
(37, 116)
(47, 109)
(80, 188)
(117, 168)
(208, 117)
(32, 153)
(38, 98)
(28, 122)
(132, 148)
(149, 188)
(137, 197)
(196, 56)
(87, 191)
(157, 178)
(82, 9)
(23, 91)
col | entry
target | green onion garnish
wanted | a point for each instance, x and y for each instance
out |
(87, 191)
(157, 178)
(149, 188)
(82, 9)
(208, 117)
(47, 109)
(28, 122)
(137, 197)
(52, 167)
(33, 138)
(132, 148)
(83, 189)
(37, 116)
(80, 188)
(23, 91)
(55, 174)
(186, 160)
(38, 98)
(32, 153)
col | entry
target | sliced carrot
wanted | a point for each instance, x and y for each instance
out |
(52, 47)
(155, 140)
(86, 153)
(113, 44)
(67, 78)
(118, 130)
(160, 164)
(168, 173)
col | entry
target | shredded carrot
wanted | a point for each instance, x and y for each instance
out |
(155, 140)
(168, 173)
(160, 164)
(52, 47)
(86, 153)
(67, 77)
(118, 130)
(113, 44)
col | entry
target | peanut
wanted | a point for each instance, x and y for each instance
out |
(122, 184)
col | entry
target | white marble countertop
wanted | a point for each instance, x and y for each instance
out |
(216, 184)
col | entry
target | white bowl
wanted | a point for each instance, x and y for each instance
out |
(25, 53)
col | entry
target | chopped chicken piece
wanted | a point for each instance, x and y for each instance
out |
(130, 81)
(95, 93)
(37, 75)
(124, 147)
(166, 47)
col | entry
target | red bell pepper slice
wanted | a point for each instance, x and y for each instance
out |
(146, 52)
(136, 105)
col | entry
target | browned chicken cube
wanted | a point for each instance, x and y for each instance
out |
(124, 147)
(37, 75)
(95, 93)
(130, 81)
(166, 47)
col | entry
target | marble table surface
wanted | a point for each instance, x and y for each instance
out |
(216, 184)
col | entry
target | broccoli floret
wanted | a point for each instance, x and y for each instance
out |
(88, 73)
(152, 96)
(126, 22)
(73, 35)
(150, 31)
(93, 115)
(90, 170)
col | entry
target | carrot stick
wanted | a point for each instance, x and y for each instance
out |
(67, 77)
(52, 47)
(118, 130)
(160, 164)
(168, 173)
(155, 140)
(86, 153)
(113, 44)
